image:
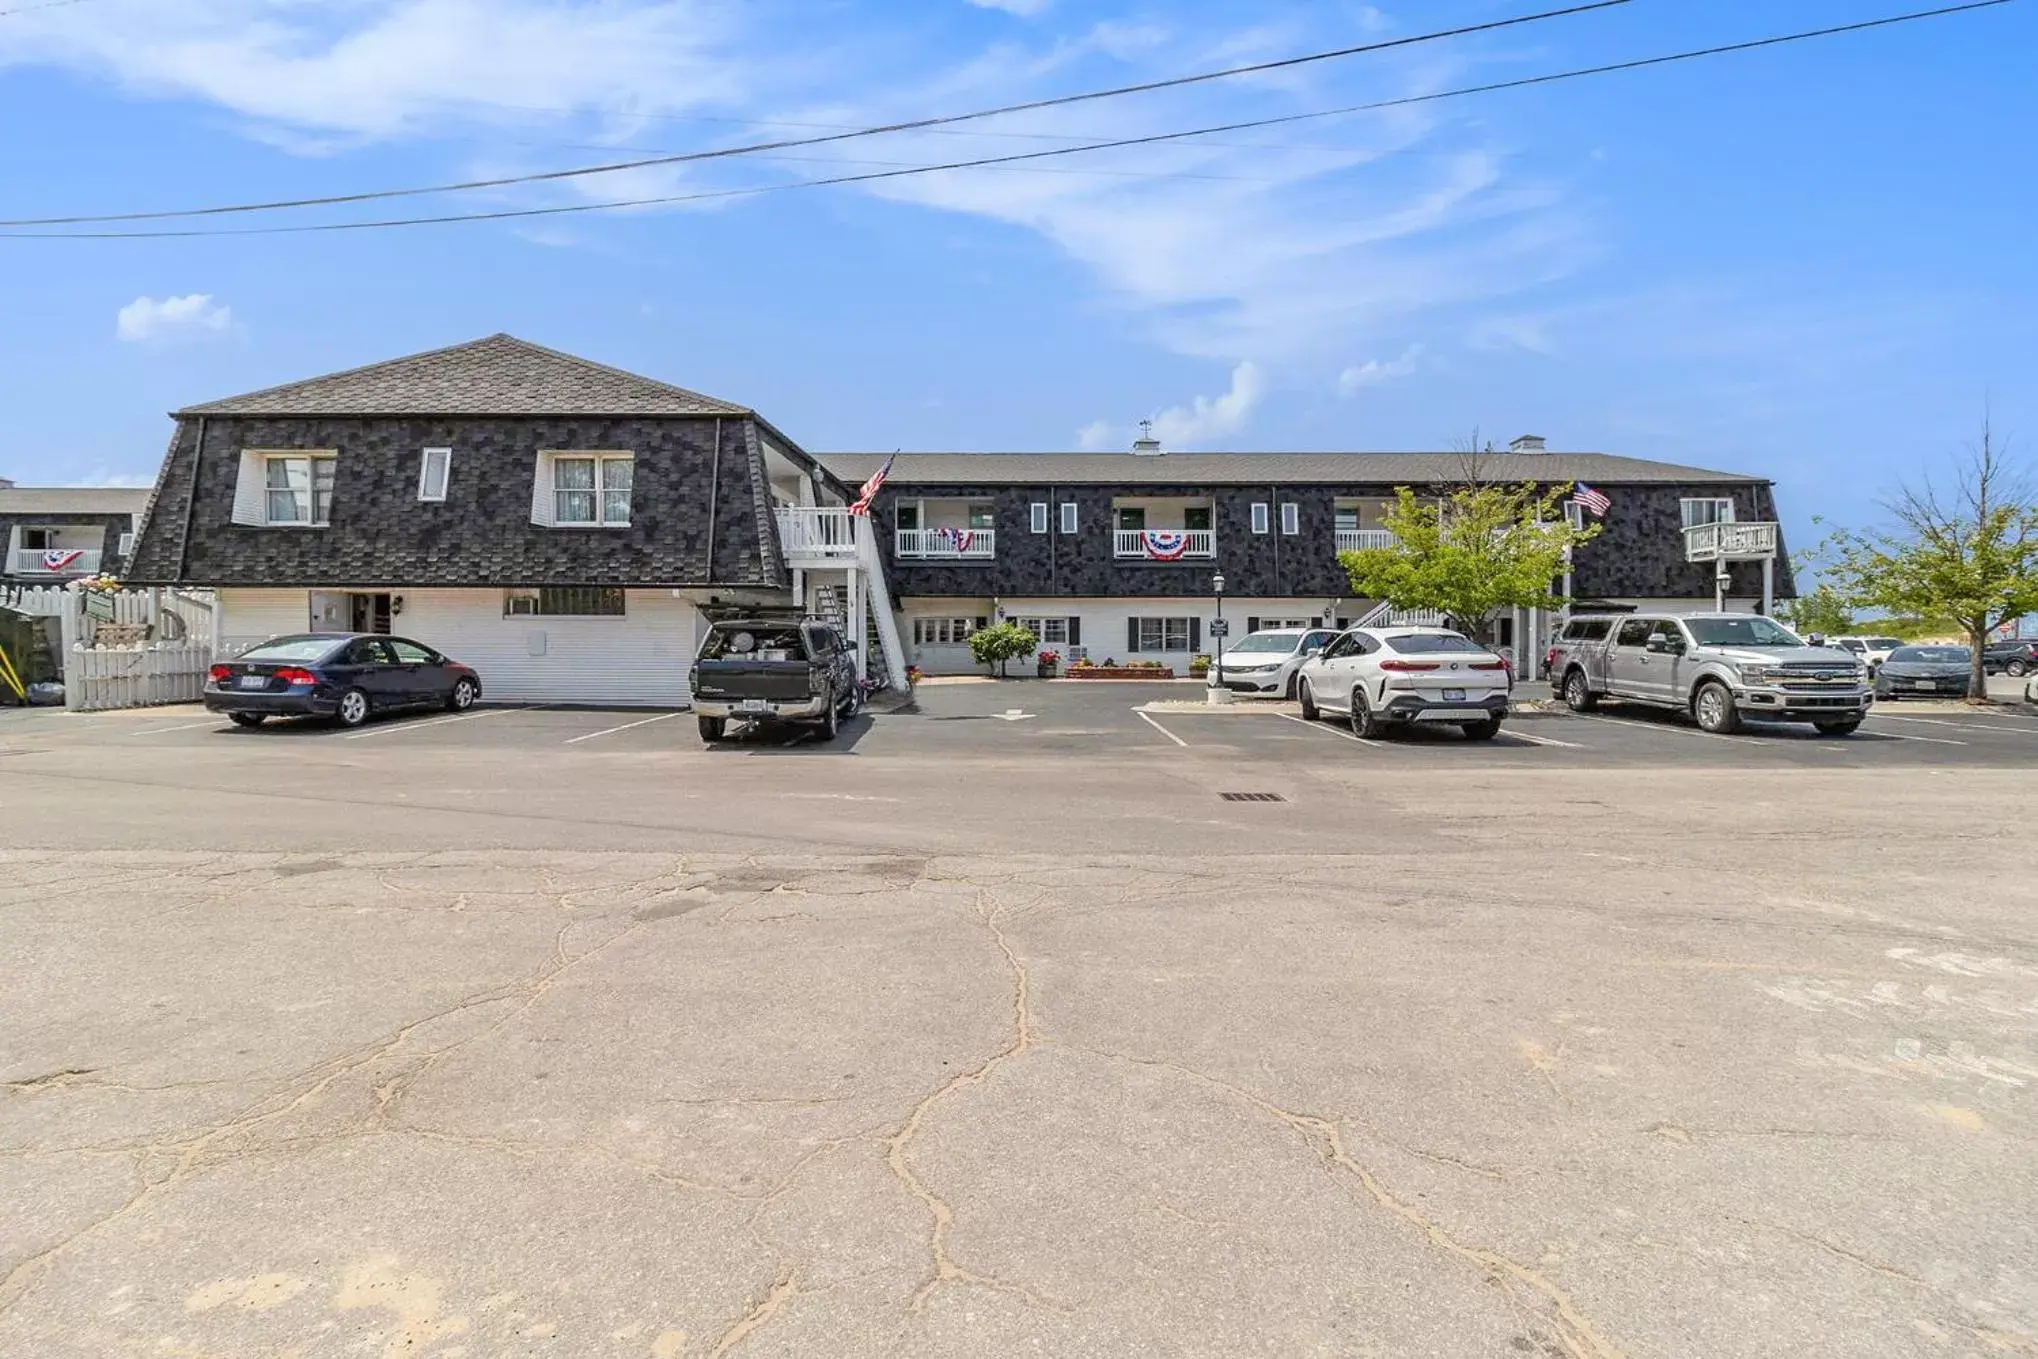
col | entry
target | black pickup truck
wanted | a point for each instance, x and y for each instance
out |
(761, 670)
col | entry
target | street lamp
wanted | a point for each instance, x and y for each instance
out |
(1217, 631)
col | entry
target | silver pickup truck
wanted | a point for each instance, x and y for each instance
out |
(1719, 667)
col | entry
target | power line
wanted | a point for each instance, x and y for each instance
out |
(1174, 82)
(1523, 82)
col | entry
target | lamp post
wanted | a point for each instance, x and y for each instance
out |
(1217, 632)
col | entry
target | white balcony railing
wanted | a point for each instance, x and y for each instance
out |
(1729, 542)
(816, 533)
(1164, 545)
(55, 561)
(947, 544)
(1358, 540)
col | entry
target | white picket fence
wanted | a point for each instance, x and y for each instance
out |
(135, 677)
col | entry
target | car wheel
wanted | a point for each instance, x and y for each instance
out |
(246, 719)
(712, 728)
(1365, 726)
(1578, 695)
(2018, 669)
(832, 722)
(1288, 691)
(353, 708)
(463, 696)
(1482, 731)
(1713, 706)
(1310, 712)
(1845, 728)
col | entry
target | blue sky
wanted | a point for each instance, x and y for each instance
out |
(1812, 263)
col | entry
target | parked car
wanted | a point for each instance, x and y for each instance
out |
(1377, 678)
(1870, 651)
(1584, 629)
(346, 676)
(1265, 662)
(762, 670)
(1925, 671)
(2031, 689)
(1720, 668)
(2016, 656)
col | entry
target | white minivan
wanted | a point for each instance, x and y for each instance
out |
(1265, 662)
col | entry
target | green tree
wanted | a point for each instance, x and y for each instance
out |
(1968, 552)
(1484, 549)
(1821, 609)
(1000, 644)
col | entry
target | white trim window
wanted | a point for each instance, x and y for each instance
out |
(435, 469)
(944, 631)
(1707, 511)
(1068, 516)
(564, 601)
(126, 545)
(297, 489)
(592, 490)
(1039, 516)
(1048, 631)
(1291, 518)
(1164, 634)
(1259, 516)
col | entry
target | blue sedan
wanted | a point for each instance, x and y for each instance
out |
(342, 675)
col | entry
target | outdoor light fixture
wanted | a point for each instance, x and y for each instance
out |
(1217, 631)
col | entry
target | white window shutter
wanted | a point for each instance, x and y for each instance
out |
(250, 507)
(544, 505)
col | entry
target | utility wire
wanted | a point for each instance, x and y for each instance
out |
(914, 125)
(1521, 83)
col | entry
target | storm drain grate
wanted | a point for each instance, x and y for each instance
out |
(1252, 797)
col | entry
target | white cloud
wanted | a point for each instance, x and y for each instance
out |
(1097, 435)
(1025, 9)
(1207, 418)
(147, 319)
(1379, 372)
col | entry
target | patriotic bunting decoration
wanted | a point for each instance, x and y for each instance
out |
(1596, 501)
(57, 558)
(962, 540)
(1165, 545)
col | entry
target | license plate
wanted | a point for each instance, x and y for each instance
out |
(753, 705)
(1928, 684)
(1439, 715)
(254, 681)
(1454, 695)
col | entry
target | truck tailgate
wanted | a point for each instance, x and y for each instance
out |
(785, 681)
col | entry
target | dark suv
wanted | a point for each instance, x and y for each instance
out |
(2017, 656)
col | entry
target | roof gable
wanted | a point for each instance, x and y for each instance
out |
(499, 375)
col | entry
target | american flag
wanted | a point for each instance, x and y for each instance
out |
(869, 492)
(1596, 501)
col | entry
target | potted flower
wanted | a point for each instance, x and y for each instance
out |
(1199, 666)
(1047, 664)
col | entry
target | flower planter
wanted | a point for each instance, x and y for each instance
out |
(1047, 671)
(1145, 672)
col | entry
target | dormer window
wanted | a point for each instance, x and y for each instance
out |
(583, 490)
(281, 488)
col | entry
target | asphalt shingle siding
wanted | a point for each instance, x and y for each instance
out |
(481, 534)
(1639, 555)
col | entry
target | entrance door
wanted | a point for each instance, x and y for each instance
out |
(349, 611)
(368, 613)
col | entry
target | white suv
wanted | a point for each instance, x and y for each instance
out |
(1870, 651)
(1382, 677)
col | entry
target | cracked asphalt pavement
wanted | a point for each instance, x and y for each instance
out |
(1428, 1060)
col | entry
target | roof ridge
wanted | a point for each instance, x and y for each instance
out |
(610, 368)
(356, 370)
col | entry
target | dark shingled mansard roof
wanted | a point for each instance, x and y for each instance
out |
(1198, 469)
(499, 375)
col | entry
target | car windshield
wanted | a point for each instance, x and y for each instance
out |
(1431, 643)
(1931, 655)
(1884, 643)
(1740, 632)
(760, 643)
(1280, 642)
(293, 649)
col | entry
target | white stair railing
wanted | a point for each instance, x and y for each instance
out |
(878, 593)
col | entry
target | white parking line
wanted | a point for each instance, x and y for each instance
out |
(1159, 728)
(610, 731)
(1512, 734)
(1899, 736)
(1942, 722)
(187, 726)
(385, 729)
(1645, 726)
(1328, 730)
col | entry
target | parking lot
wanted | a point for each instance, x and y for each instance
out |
(995, 1027)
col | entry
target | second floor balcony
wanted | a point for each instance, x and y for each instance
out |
(1164, 545)
(1729, 541)
(946, 544)
(54, 563)
(1360, 539)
